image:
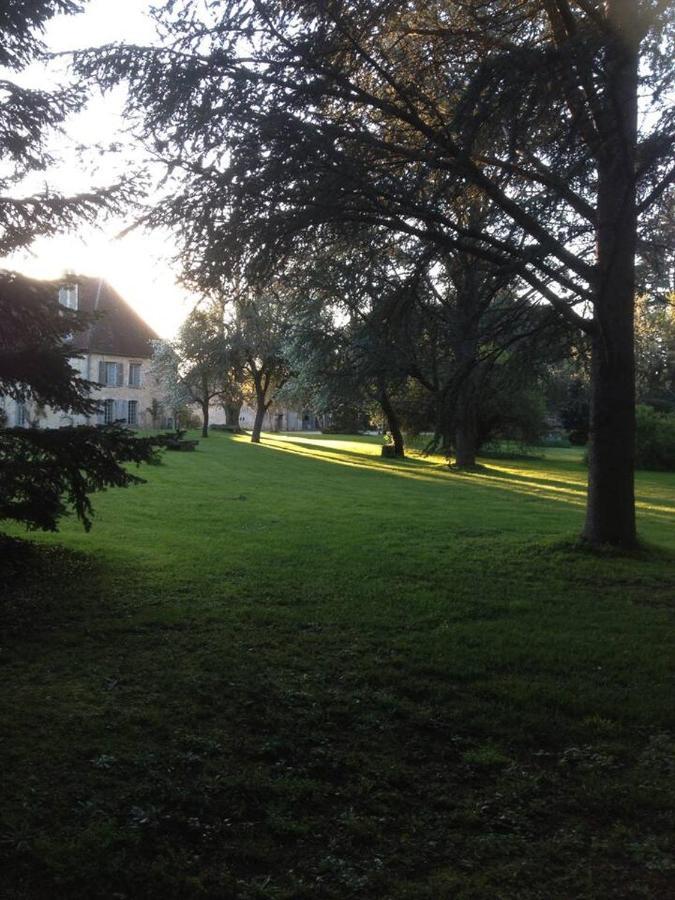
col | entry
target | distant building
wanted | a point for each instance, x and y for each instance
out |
(276, 419)
(116, 353)
(116, 350)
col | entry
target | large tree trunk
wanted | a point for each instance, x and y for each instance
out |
(466, 427)
(232, 413)
(258, 421)
(392, 423)
(205, 419)
(610, 517)
(466, 352)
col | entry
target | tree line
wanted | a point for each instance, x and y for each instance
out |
(447, 191)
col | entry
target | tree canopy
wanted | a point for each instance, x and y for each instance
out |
(44, 473)
(281, 120)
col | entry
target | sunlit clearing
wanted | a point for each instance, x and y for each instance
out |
(530, 479)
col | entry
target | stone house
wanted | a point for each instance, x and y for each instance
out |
(116, 350)
(277, 418)
(116, 353)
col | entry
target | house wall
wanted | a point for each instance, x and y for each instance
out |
(144, 393)
(88, 367)
(276, 419)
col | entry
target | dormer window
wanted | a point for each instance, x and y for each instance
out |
(68, 296)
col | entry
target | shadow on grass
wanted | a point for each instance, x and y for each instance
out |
(433, 471)
(36, 585)
(547, 486)
(286, 748)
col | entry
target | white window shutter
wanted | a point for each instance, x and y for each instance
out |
(121, 409)
(120, 375)
(101, 372)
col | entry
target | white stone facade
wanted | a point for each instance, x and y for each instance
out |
(276, 419)
(128, 401)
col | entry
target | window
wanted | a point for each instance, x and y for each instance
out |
(111, 374)
(109, 412)
(132, 417)
(21, 416)
(68, 296)
(134, 374)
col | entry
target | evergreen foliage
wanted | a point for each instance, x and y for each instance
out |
(37, 346)
(43, 473)
(27, 118)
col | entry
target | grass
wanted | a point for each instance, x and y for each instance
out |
(295, 670)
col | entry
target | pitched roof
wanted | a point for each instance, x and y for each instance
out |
(119, 330)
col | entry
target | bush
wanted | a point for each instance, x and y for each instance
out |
(345, 418)
(512, 413)
(655, 441)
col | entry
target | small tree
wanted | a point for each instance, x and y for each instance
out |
(200, 366)
(155, 412)
(259, 332)
(165, 369)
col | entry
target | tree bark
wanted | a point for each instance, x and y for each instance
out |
(466, 353)
(232, 414)
(610, 514)
(466, 428)
(258, 421)
(392, 423)
(205, 419)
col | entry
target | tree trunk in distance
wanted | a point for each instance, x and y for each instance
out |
(466, 349)
(466, 416)
(232, 414)
(205, 420)
(392, 423)
(610, 513)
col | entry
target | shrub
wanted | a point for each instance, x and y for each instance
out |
(655, 440)
(345, 418)
(512, 413)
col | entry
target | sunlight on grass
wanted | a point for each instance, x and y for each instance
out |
(528, 478)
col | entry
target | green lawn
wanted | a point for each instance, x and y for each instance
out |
(294, 670)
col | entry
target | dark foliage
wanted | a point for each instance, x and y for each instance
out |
(36, 347)
(27, 117)
(574, 412)
(47, 472)
(655, 442)
(43, 473)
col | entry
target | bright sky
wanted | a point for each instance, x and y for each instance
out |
(138, 265)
